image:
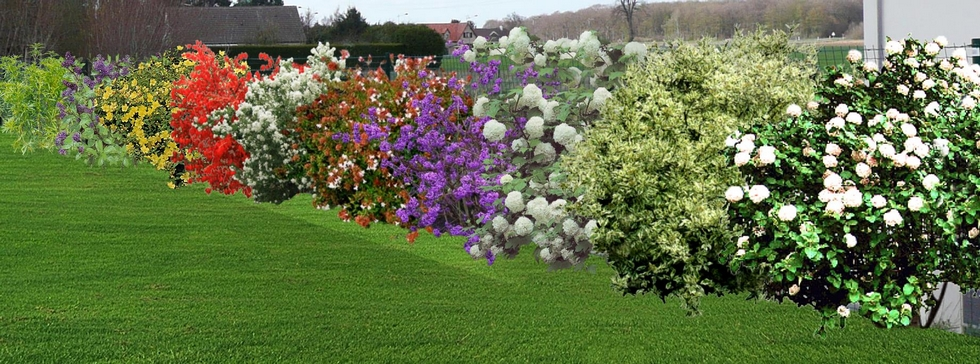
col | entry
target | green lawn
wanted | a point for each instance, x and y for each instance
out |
(109, 265)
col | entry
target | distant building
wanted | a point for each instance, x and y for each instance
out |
(957, 20)
(454, 32)
(231, 26)
(492, 34)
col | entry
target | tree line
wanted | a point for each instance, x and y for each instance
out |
(89, 27)
(696, 19)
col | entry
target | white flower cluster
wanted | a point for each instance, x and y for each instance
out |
(530, 97)
(599, 97)
(635, 49)
(494, 130)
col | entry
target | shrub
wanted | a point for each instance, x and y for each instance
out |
(654, 168)
(90, 138)
(267, 121)
(137, 106)
(29, 94)
(207, 97)
(869, 195)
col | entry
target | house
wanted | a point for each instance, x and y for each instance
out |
(232, 26)
(900, 18)
(454, 32)
(492, 34)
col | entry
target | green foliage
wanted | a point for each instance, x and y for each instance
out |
(419, 40)
(879, 179)
(654, 170)
(29, 94)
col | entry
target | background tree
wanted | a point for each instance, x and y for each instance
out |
(627, 8)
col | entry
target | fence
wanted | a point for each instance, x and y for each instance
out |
(830, 56)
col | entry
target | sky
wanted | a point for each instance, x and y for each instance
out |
(442, 11)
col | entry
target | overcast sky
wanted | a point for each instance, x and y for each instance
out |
(442, 11)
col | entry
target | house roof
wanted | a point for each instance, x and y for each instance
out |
(491, 33)
(240, 25)
(455, 29)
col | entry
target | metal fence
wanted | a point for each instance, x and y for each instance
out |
(829, 56)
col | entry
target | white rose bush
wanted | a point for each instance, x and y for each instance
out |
(883, 203)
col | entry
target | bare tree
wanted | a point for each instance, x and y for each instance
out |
(627, 8)
(135, 28)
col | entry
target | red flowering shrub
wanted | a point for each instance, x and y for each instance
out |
(205, 98)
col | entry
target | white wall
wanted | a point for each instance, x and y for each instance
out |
(958, 20)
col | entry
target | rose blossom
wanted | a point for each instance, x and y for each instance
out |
(973, 233)
(916, 203)
(745, 146)
(787, 213)
(833, 149)
(734, 194)
(930, 182)
(841, 110)
(767, 155)
(825, 196)
(740, 252)
(833, 182)
(835, 207)
(853, 198)
(854, 118)
(863, 170)
(843, 311)
(812, 105)
(850, 240)
(758, 193)
(835, 123)
(854, 56)
(829, 161)
(878, 201)
(892, 218)
(742, 159)
(794, 110)
(909, 130)
(913, 162)
(887, 151)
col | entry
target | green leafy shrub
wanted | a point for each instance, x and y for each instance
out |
(654, 168)
(29, 95)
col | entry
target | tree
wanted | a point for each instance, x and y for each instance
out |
(627, 8)
(259, 3)
(349, 27)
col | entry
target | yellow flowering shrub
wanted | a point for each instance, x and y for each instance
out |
(137, 106)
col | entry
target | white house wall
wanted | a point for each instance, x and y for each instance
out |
(957, 20)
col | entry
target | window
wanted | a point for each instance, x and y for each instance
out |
(468, 35)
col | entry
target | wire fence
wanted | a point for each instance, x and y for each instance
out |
(830, 56)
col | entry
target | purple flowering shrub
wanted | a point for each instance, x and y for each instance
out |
(90, 138)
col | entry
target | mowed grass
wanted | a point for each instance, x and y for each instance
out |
(111, 266)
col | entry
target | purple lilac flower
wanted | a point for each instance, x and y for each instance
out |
(76, 137)
(60, 139)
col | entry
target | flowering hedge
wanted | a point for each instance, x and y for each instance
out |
(266, 124)
(868, 195)
(654, 169)
(136, 105)
(205, 98)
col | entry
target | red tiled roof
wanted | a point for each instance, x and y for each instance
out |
(455, 30)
